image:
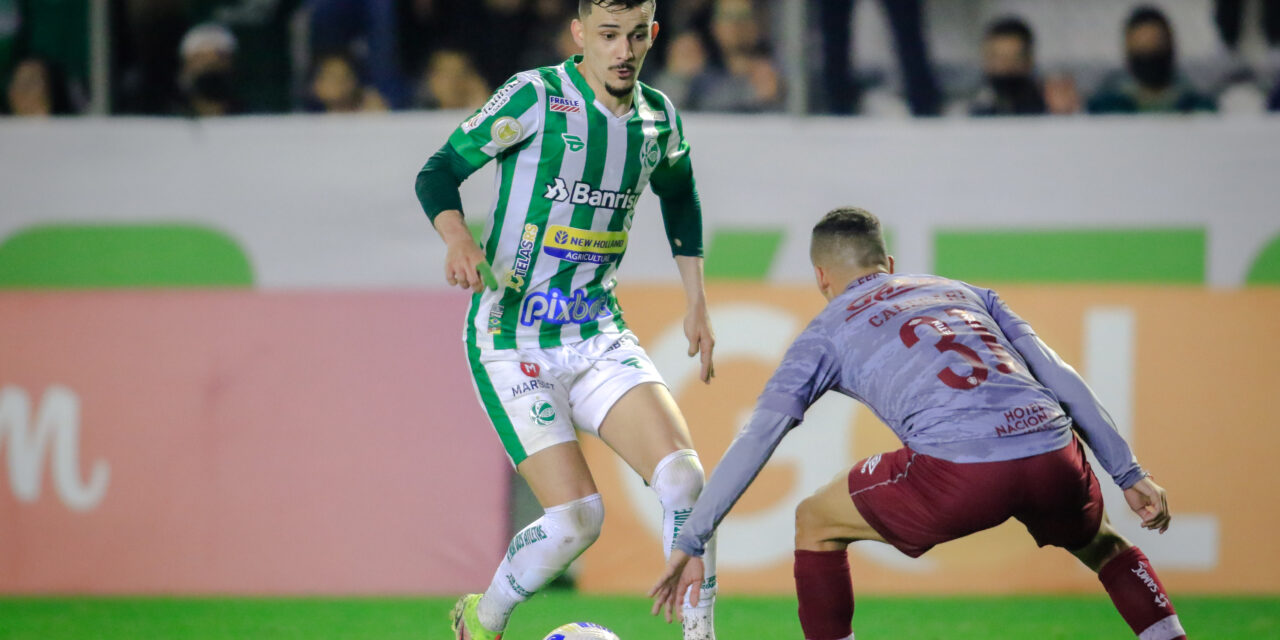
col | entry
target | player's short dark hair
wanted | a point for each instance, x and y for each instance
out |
(851, 233)
(1147, 14)
(584, 6)
(1012, 26)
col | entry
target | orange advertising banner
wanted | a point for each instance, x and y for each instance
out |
(240, 442)
(1189, 374)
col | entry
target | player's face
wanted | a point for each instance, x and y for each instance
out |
(614, 44)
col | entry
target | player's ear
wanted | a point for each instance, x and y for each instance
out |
(579, 32)
(820, 275)
(890, 264)
(653, 31)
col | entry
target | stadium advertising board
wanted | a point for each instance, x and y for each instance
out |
(236, 442)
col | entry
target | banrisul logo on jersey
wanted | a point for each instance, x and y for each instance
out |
(581, 245)
(556, 307)
(583, 193)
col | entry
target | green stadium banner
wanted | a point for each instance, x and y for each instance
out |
(66, 256)
(1129, 256)
(1266, 267)
(742, 254)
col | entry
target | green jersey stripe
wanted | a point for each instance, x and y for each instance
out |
(489, 398)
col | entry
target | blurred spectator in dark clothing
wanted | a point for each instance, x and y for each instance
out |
(207, 75)
(1229, 16)
(686, 64)
(38, 88)
(906, 20)
(427, 26)
(502, 37)
(1274, 103)
(366, 30)
(749, 80)
(450, 80)
(336, 87)
(1008, 67)
(1151, 82)
(550, 25)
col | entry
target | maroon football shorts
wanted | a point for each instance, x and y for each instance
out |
(916, 501)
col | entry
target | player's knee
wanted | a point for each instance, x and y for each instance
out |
(678, 479)
(808, 522)
(577, 523)
(1107, 544)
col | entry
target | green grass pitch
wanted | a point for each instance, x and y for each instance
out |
(737, 618)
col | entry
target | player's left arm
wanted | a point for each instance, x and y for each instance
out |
(1092, 421)
(672, 180)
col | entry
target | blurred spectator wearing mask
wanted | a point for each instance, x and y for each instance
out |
(336, 87)
(38, 88)
(906, 20)
(1008, 68)
(450, 80)
(207, 75)
(1151, 83)
(749, 80)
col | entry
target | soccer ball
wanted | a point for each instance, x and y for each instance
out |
(581, 631)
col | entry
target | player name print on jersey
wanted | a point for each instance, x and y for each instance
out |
(580, 245)
(494, 105)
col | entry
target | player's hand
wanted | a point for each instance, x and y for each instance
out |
(683, 573)
(697, 327)
(461, 265)
(1148, 500)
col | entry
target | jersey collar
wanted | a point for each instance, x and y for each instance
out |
(579, 82)
(865, 279)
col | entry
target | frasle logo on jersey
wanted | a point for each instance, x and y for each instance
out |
(582, 193)
(554, 307)
(880, 294)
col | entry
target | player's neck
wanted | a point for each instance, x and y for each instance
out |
(616, 105)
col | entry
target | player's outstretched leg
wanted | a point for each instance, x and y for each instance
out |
(826, 523)
(541, 551)
(678, 479)
(1133, 585)
(645, 427)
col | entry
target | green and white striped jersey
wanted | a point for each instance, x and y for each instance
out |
(569, 175)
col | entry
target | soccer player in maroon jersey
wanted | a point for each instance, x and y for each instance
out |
(990, 418)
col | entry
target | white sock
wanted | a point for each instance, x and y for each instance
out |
(539, 553)
(678, 479)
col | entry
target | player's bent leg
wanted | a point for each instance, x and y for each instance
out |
(826, 522)
(1133, 585)
(647, 430)
(571, 522)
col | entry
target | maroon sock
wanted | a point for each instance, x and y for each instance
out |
(826, 594)
(1139, 597)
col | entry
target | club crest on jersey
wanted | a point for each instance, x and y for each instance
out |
(530, 369)
(583, 193)
(555, 307)
(650, 154)
(583, 246)
(564, 105)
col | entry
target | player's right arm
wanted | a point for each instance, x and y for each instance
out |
(506, 123)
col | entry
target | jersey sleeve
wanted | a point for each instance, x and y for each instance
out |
(750, 450)
(1011, 324)
(506, 122)
(673, 182)
(808, 370)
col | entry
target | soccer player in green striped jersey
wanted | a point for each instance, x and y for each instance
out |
(549, 351)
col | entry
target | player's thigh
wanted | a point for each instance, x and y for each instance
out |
(828, 519)
(623, 400)
(524, 395)
(558, 474)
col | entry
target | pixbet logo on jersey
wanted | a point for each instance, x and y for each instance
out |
(554, 307)
(583, 193)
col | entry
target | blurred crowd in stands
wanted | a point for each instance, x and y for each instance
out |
(216, 57)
